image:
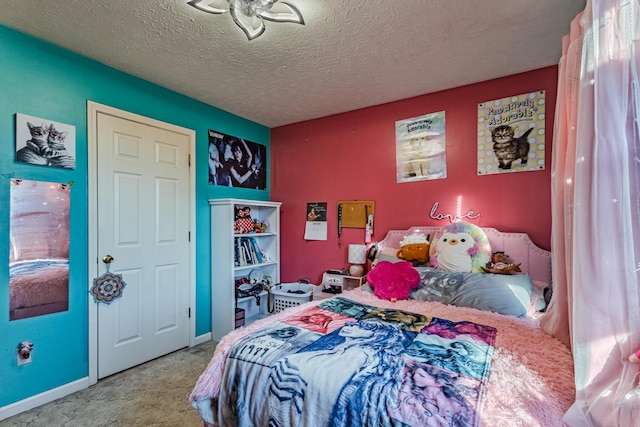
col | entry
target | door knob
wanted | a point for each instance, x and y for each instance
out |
(107, 259)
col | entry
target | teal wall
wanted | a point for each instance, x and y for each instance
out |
(39, 79)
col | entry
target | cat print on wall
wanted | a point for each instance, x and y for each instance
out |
(508, 148)
(31, 152)
(46, 145)
(56, 151)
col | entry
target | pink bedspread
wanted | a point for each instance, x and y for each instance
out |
(530, 383)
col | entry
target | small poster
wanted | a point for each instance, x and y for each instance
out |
(421, 148)
(511, 134)
(316, 223)
(236, 162)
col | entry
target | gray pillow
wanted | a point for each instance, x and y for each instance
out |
(499, 293)
(387, 257)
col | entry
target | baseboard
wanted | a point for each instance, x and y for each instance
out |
(42, 398)
(202, 338)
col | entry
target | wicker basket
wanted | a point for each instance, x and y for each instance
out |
(288, 295)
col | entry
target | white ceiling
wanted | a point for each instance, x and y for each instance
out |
(350, 54)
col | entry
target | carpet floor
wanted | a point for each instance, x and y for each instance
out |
(155, 393)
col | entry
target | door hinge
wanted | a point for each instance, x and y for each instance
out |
(189, 160)
(189, 236)
(189, 312)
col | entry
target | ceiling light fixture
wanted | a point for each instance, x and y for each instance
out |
(249, 15)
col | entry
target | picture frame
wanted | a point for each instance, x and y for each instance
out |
(45, 142)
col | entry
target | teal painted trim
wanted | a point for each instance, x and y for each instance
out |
(42, 80)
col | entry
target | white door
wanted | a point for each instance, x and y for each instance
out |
(143, 223)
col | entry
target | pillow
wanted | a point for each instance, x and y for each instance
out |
(541, 295)
(386, 254)
(504, 294)
(390, 258)
(393, 281)
(460, 247)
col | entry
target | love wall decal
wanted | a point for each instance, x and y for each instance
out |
(452, 218)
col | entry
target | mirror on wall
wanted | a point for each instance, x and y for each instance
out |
(39, 248)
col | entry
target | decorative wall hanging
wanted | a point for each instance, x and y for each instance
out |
(236, 162)
(421, 148)
(511, 134)
(39, 248)
(46, 143)
(458, 216)
(107, 287)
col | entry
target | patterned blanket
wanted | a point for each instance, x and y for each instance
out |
(345, 363)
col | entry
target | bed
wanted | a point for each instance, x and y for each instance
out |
(355, 359)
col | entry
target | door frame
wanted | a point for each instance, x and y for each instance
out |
(93, 109)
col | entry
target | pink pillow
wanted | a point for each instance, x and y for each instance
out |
(393, 281)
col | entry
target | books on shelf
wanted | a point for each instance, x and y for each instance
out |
(247, 252)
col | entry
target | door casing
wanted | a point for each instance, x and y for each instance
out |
(93, 109)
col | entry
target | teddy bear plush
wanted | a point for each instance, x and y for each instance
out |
(501, 264)
(415, 249)
(393, 281)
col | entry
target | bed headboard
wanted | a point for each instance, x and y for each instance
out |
(534, 260)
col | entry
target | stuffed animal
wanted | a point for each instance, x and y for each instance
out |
(393, 281)
(415, 249)
(460, 247)
(243, 222)
(260, 227)
(501, 264)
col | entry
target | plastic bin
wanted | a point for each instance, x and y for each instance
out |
(287, 295)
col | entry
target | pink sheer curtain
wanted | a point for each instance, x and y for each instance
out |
(595, 308)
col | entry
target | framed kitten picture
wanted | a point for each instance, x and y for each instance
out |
(511, 134)
(45, 142)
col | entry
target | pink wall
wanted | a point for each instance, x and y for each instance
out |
(351, 156)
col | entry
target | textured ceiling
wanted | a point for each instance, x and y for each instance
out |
(350, 54)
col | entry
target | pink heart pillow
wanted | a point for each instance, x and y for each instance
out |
(393, 281)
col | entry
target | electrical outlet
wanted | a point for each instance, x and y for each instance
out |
(332, 279)
(22, 361)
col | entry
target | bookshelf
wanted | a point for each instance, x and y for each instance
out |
(234, 255)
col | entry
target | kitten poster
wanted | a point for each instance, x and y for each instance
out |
(38, 248)
(421, 148)
(45, 142)
(511, 134)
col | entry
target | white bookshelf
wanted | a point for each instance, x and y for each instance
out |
(224, 269)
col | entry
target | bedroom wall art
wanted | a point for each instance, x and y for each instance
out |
(452, 217)
(236, 162)
(421, 148)
(511, 136)
(39, 248)
(44, 142)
